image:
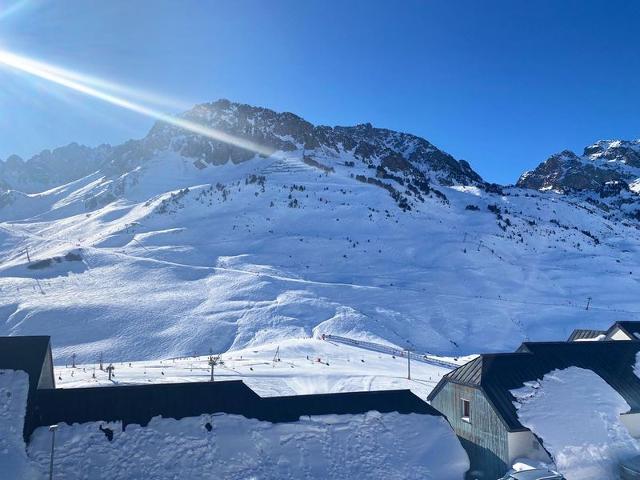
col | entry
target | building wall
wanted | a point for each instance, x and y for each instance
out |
(526, 444)
(484, 437)
(47, 379)
(632, 422)
(618, 334)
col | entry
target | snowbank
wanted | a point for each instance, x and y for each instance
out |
(577, 415)
(374, 445)
(636, 367)
(14, 464)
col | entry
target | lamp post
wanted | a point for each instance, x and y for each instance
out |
(52, 429)
(409, 350)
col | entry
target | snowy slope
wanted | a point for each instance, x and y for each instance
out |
(178, 244)
(291, 367)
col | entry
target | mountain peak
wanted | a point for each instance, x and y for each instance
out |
(622, 151)
(287, 132)
(603, 162)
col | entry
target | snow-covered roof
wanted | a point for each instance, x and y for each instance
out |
(497, 374)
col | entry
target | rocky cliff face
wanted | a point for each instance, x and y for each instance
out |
(602, 166)
(52, 167)
(287, 132)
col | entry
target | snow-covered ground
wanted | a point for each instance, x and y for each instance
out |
(305, 366)
(577, 415)
(165, 272)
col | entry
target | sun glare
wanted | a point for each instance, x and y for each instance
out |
(13, 8)
(91, 86)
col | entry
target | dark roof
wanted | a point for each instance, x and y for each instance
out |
(613, 361)
(584, 334)
(24, 353)
(630, 327)
(138, 404)
(468, 374)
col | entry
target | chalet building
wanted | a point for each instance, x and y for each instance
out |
(618, 331)
(138, 404)
(476, 397)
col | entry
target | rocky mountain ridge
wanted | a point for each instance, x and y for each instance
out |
(606, 175)
(603, 163)
(381, 149)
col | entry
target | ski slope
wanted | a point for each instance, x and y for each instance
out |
(291, 367)
(166, 255)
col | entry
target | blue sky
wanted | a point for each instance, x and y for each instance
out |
(502, 84)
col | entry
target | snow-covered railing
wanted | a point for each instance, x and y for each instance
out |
(377, 347)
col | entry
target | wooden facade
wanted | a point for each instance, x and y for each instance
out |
(484, 436)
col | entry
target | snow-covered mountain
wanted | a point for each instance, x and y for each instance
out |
(176, 243)
(606, 175)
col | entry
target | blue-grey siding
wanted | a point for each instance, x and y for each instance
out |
(484, 438)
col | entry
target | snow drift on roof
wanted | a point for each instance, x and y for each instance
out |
(577, 416)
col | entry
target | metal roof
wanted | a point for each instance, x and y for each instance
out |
(500, 373)
(467, 374)
(138, 404)
(584, 334)
(24, 353)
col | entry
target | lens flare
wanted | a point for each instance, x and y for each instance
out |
(13, 8)
(107, 86)
(78, 82)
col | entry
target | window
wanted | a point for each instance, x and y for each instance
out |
(466, 410)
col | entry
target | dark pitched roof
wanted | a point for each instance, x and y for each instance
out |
(468, 374)
(24, 353)
(613, 361)
(630, 327)
(584, 334)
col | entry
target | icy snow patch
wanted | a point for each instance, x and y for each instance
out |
(577, 416)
